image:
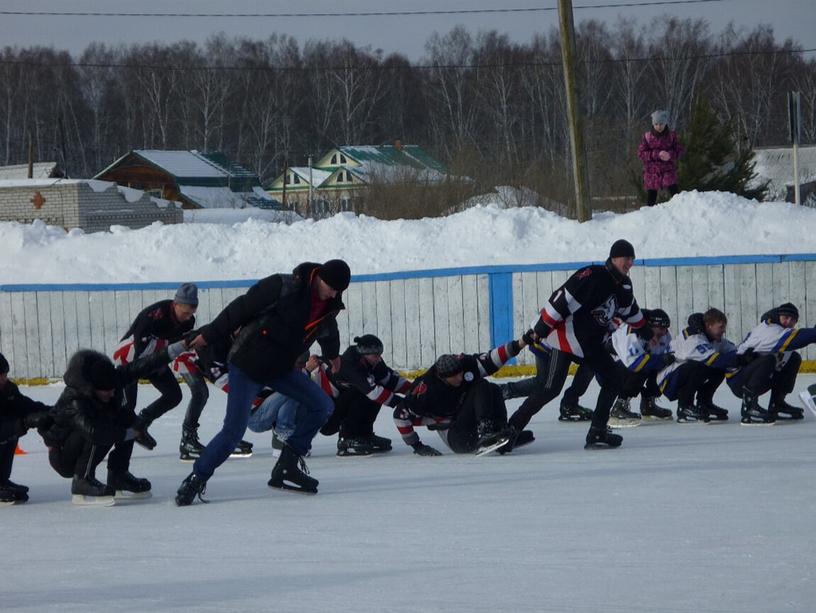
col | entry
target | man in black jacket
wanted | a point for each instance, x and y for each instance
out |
(92, 417)
(576, 320)
(366, 383)
(18, 413)
(279, 318)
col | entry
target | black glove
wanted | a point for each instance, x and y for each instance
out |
(646, 333)
(668, 358)
(529, 337)
(743, 359)
(145, 440)
(542, 329)
(425, 450)
(443, 425)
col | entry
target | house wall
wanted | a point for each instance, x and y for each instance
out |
(418, 315)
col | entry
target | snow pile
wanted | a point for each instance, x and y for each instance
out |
(692, 224)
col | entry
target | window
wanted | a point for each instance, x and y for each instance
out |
(345, 204)
(340, 175)
(334, 160)
(297, 179)
(343, 159)
(287, 179)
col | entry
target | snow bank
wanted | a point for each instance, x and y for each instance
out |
(691, 224)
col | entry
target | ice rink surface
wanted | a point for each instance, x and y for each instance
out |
(696, 518)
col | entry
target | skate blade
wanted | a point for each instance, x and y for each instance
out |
(624, 424)
(125, 496)
(599, 446)
(650, 419)
(291, 488)
(757, 423)
(491, 448)
(696, 422)
(187, 460)
(355, 455)
(8, 503)
(92, 501)
(234, 455)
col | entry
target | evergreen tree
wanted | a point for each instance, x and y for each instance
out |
(713, 161)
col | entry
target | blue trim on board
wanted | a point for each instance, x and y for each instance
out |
(501, 308)
(423, 274)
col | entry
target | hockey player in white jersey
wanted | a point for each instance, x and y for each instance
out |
(703, 355)
(640, 354)
(775, 341)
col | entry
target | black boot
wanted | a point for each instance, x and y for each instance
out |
(649, 409)
(190, 447)
(574, 412)
(488, 433)
(12, 495)
(242, 450)
(89, 491)
(352, 446)
(752, 413)
(715, 413)
(291, 473)
(15, 486)
(380, 444)
(690, 414)
(517, 439)
(141, 424)
(127, 486)
(191, 487)
(621, 415)
(782, 410)
(602, 438)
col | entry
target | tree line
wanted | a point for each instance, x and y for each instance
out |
(490, 108)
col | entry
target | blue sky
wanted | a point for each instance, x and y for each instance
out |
(404, 34)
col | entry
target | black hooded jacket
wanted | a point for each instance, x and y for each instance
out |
(102, 423)
(18, 412)
(273, 317)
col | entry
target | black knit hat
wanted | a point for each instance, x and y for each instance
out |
(187, 293)
(336, 273)
(102, 375)
(622, 249)
(368, 344)
(448, 365)
(4, 365)
(788, 309)
(657, 317)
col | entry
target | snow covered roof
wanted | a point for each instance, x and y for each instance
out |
(41, 170)
(776, 165)
(181, 163)
(318, 175)
(223, 197)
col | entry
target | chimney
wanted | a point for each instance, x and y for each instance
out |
(398, 145)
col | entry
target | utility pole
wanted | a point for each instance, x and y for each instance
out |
(30, 157)
(311, 183)
(795, 122)
(583, 207)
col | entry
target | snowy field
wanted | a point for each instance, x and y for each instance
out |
(691, 224)
(681, 518)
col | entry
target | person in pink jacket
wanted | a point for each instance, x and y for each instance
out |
(659, 151)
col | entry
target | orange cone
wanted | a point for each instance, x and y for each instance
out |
(19, 451)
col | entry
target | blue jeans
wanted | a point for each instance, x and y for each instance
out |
(242, 391)
(276, 411)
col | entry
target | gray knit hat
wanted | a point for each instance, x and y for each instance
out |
(660, 116)
(187, 293)
(448, 365)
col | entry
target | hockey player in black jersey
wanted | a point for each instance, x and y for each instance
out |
(576, 319)
(455, 398)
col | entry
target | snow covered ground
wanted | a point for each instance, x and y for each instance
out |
(691, 224)
(681, 518)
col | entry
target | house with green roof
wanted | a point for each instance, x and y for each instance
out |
(196, 180)
(339, 178)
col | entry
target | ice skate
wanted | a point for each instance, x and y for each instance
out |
(91, 492)
(128, 487)
(621, 416)
(190, 447)
(752, 413)
(602, 438)
(651, 412)
(291, 473)
(191, 487)
(690, 414)
(354, 446)
(574, 412)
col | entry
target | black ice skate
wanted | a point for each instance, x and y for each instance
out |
(291, 473)
(574, 412)
(190, 447)
(11, 493)
(490, 437)
(354, 446)
(650, 411)
(191, 487)
(379, 444)
(277, 446)
(125, 485)
(88, 491)
(715, 413)
(602, 438)
(242, 450)
(518, 439)
(784, 411)
(690, 414)
(621, 416)
(142, 424)
(752, 413)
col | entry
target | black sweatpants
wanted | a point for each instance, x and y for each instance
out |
(7, 448)
(607, 375)
(79, 457)
(483, 401)
(580, 383)
(354, 415)
(761, 376)
(552, 369)
(163, 380)
(651, 194)
(199, 394)
(636, 383)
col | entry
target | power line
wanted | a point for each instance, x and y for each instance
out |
(356, 13)
(381, 68)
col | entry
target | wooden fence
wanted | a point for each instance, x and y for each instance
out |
(418, 315)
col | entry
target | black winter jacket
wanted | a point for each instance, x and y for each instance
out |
(157, 321)
(378, 383)
(78, 408)
(18, 412)
(273, 317)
